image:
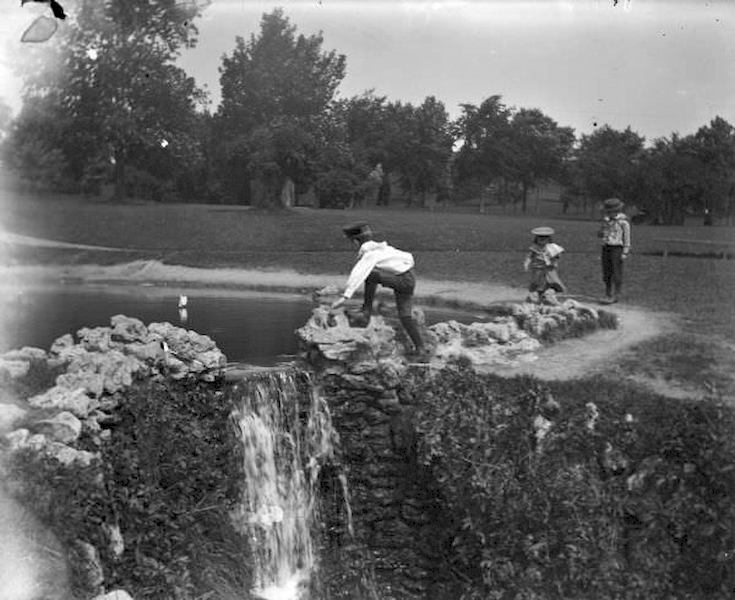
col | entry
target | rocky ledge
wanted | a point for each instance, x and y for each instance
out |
(510, 333)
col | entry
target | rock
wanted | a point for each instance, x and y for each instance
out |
(15, 368)
(332, 337)
(114, 595)
(10, 414)
(67, 455)
(61, 344)
(75, 401)
(64, 427)
(27, 353)
(147, 352)
(17, 439)
(97, 339)
(100, 372)
(128, 329)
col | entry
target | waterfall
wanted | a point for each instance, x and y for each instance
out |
(287, 435)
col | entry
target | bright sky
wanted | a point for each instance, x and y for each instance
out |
(657, 65)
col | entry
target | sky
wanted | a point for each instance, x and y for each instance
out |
(658, 66)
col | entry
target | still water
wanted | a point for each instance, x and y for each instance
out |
(253, 327)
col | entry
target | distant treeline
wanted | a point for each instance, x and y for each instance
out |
(106, 110)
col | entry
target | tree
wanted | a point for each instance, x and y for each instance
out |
(277, 90)
(33, 146)
(538, 149)
(668, 181)
(485, 135)
(110, 75)
(427, 148)
(715, 148)
(607, 161)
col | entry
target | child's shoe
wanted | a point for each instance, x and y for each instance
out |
(419, 356)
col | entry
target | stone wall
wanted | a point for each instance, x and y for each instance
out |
(399, 538)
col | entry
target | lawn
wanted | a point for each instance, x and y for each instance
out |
(447, 245)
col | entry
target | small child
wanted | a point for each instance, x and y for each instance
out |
(542, 260)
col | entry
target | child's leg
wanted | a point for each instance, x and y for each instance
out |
(403, 286)
(607, 269)
(371, 284)
(616, 271)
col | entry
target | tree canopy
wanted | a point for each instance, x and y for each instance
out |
(277, 92)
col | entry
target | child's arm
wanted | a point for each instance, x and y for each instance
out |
(527, 262)
(625, 224)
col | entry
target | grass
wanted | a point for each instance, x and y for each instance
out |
(447, 245)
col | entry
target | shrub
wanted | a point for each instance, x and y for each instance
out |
(171, 476)
(551, 496)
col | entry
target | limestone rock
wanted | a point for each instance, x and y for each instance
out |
(145, 351)
(100, 372)
(61, 344)
(10, 414)
(75, 401)
(114, 595)
(64, 427)
(97, 339)
(15, 368)
(128, 329)
(26, 353)
(67, 455)
(17, 439)
(332, 337)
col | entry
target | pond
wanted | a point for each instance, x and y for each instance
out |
(252, 327)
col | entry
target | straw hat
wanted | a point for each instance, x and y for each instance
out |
(613, 204)
(542, 231)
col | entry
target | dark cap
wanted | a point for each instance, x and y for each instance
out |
(355, 229)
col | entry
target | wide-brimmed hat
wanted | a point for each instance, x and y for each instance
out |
(613, 204)
(355, 229)
(542, 231)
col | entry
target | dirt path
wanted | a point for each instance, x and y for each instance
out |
(594, 353)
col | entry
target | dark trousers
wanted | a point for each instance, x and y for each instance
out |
(612, 268)
(402, 286)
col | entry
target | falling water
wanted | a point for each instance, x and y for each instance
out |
(287, 435)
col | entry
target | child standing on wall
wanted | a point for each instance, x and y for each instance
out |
(543, 260)
(378, 263)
